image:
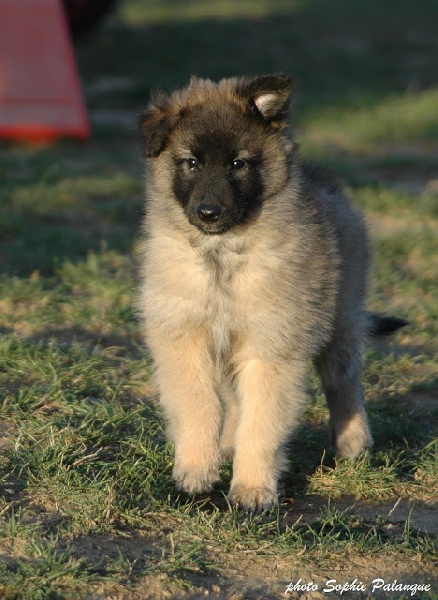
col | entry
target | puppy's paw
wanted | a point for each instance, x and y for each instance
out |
(353, 437)
(195, 479)
(254, 499)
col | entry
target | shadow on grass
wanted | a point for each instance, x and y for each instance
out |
(40, 239)
(364, 48)
(65, 337)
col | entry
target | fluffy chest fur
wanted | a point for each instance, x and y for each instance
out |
(201, 287)
(239, 290)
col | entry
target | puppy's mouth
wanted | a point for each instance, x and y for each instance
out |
(210, 228)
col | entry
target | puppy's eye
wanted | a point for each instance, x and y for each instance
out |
(192, 163)
(238, 163)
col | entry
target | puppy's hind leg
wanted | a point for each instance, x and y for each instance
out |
(339, 367)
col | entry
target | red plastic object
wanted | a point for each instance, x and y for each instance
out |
(40, 92)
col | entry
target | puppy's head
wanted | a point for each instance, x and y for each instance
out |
(224, 146)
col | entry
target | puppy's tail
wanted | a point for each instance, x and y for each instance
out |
(383, 325)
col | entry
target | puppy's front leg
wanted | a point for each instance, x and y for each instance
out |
(192, 408)
(271, 396)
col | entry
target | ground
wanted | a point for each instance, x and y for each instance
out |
(87, 506)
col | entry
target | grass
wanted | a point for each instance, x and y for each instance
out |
(361, 129)
(87, 508)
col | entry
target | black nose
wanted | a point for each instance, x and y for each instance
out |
(209, 212)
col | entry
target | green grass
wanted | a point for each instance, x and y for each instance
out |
(87, 507)
(361, 129)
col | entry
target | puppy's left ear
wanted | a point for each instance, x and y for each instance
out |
(269, 96)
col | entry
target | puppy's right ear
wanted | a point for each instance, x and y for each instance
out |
(155, 125)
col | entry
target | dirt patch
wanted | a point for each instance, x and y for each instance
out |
(396, 513)
(8, 431)
(96, 548)
(257, 578)
(248, 575)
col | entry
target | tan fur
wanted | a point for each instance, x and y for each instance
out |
(232, 319)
